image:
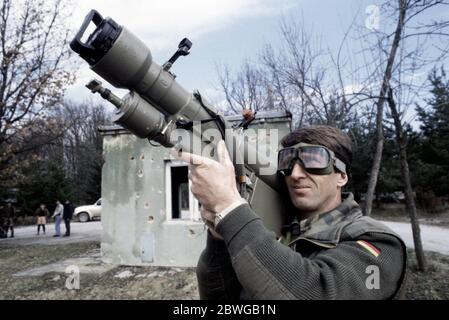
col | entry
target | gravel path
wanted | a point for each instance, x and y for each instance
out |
(88, 231)
(433, 238)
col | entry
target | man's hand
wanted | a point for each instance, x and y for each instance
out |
(213, 183)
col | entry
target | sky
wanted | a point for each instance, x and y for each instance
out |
(223, 32)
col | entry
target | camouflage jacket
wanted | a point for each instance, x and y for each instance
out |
(339, 254)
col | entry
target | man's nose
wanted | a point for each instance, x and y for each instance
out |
(298, 171)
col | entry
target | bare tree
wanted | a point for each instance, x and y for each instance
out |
(83, 148)
(380, 105)
(70, 166)
(407, 12)
(33, 51)
(401, 142)
(403, 63)
(292, 79)
(247, 89)
(297, 72)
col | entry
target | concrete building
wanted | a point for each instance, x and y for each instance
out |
(149, 215)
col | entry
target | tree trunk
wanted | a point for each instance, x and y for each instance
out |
(380, 109)
(408, 190)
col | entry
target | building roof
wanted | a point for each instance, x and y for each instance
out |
(261, 117)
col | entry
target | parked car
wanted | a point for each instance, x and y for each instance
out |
(389, 198)
(87, 213)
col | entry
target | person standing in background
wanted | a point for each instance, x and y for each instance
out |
(59, 210)
(42, 213)
(3, 233)
(67, 216)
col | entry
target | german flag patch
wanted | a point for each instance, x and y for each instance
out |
(368, 246)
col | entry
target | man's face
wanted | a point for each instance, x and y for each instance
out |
(313, 194)
(42, 206)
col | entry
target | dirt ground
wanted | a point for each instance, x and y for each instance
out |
(118, 283)
(148, 283)
(431, 285)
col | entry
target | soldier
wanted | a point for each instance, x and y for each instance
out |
(329, 250)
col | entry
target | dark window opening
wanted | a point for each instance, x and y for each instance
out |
(180, 192)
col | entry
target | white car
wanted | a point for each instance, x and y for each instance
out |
(87, 213)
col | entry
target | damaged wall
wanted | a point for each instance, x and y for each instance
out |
(136, 227)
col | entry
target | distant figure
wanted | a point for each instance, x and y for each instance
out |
(67, 216)
(248, 114)
(3, 233)
(10, 217)
(59, 210)
(248, 117)
(42, 214)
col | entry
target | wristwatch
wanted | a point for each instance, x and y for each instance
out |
(220, 215)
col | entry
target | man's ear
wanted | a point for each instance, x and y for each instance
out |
(342, 179)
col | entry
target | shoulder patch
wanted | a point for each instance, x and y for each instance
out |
(369, 247)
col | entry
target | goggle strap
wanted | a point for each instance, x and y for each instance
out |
(340, 165)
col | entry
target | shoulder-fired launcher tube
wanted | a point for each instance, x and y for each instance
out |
(122, 59)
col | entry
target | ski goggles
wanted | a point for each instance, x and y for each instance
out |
(315, 159)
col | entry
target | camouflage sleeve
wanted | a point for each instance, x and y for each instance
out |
(216, 277)
(267, 269)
